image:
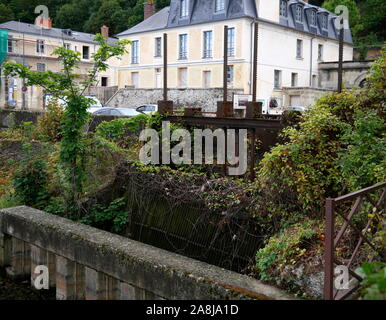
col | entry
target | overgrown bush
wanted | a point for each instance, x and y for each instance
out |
(112, 218)
(30, 180)
(373, 286)
(120, 131)
(50, 122)
(287, 248)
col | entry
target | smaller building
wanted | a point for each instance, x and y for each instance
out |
(33, 45)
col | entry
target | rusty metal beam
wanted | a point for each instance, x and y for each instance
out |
(225, 84)
(165, 84)
(255, 48)
(228, 122)
(329, 251)
(340, 63)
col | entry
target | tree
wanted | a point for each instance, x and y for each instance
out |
(71, 16)
(67, 86)
(354, 15)
(110, 14)
(6, 13)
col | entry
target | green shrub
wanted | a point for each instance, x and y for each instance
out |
(286, 248)
(30, 180)
(374, 283)
(9, 200)
(112, 218)
(50, 122)
(363, 156)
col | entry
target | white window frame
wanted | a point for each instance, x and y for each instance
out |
(135, 52)
(184, 8)
(283, 8)
(320, 52)
(88, 55)
(294, 79)
(299, 13)
(42, 65)
(231, 74)
(206, 49)
(158, 47)
(10, 46)
(277, 82)
(324, 22)
(232, 49)
(299, 49)
(40, 46)
(313, 18)
(183, 50)
(219, 6)
(67, 45)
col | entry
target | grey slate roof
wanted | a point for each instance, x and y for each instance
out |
(155, 22)
(202, 11)
(27, 28)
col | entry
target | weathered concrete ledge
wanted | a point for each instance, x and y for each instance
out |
(95, 264)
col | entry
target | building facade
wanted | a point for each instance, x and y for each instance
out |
(33, 45)
(293, 38)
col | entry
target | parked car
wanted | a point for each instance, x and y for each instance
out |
(116, 112)
(95, 104)
(300, 109)
(147, 109)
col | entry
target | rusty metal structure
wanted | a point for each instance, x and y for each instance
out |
(376, 208)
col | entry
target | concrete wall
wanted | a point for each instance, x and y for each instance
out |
(354, 72)
(87, 263)
(205, 98)
(10, 118)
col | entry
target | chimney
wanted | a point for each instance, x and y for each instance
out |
(105, 31)
(44, 23)
(149, 9)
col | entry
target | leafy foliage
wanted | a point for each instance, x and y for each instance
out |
(374, 284)
(119, 131)
(30, 180)
(286, 248)
(113, 218)
(50, 122)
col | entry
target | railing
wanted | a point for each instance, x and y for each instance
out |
(333, 236)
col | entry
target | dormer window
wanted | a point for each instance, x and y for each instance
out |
(219, 5)
(313, 18)
(299, 13)
(283, 8)
(325, 21)
(184, 9)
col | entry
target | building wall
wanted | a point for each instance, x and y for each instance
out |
(195, 62)
(277, 51)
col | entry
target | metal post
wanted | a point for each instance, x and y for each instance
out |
(340, 67)
(225, 64)
(253, 151)
(255, 46)
(329, 251)
(165, 67)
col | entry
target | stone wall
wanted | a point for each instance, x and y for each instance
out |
(87, 263)
(204, 98)
(10, 118)
(354, 72)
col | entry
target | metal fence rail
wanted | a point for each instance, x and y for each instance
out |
(333, 235)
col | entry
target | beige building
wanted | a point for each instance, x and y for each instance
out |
(294, 37)
(33, 46)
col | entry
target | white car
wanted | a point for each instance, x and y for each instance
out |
(95, 105)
